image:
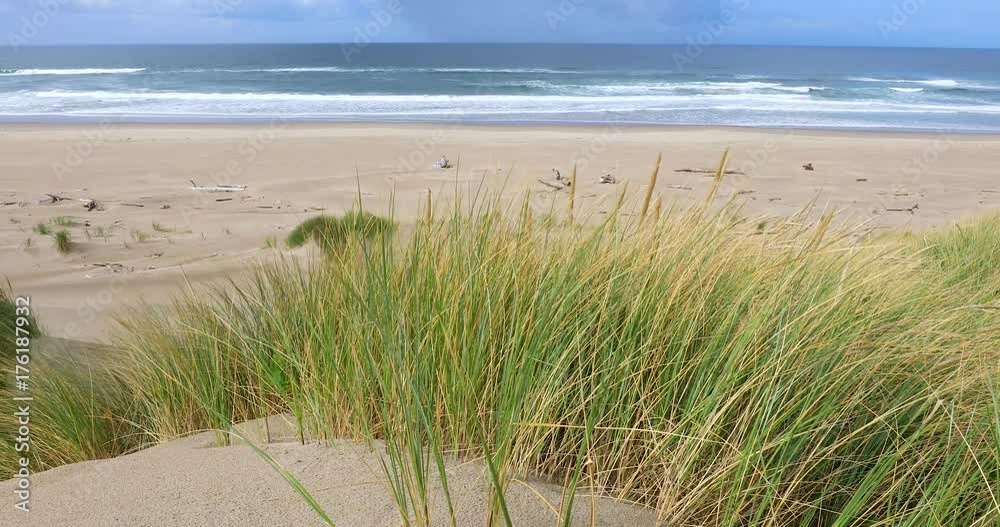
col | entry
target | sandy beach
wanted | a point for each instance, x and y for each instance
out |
(152, 232)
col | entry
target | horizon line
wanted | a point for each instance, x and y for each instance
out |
(513, 43)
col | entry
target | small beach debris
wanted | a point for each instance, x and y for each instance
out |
(557, 174)
(861, 179)
(608, 179)
(114, 267)
(139, 205)
(680, 187)
(911, 210)
(165, 206)
(218, 188)
(808, 167)
(442, 163)
(224, 199)
(743, 192)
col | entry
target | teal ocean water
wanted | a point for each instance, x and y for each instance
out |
(849, 88)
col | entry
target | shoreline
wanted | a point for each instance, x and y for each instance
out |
(56, 121)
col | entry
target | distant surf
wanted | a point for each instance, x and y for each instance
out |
(72, 71)
(801, 87)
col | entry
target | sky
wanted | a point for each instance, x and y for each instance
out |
(932, 23)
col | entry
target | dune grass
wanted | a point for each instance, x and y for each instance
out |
(330, 233)
(719, 373)
(8, 324)
(63, 241)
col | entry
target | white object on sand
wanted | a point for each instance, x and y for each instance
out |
(442, 163)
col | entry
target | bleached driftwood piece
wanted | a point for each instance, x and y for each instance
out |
(218, 188)
(550, 185)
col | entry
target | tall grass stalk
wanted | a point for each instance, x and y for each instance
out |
(651, 187)
(572, 194)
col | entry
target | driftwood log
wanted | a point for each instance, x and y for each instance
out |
(709, 171)
(88, 203)
(218, 188)
(551, 185)
(911, 210)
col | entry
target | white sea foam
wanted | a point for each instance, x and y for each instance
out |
(82, 71)
(907, 90)
(315, 104)
(938, 83)
(378, 69)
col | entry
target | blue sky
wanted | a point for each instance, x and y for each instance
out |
(947, 23)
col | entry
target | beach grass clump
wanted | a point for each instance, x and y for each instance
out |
(42, 229)
(331, 233)
(63, 241)
(717, 373)
(65, 221)
(970, 252)
(85, 415)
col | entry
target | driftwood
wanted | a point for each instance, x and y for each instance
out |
(224, 199)
(140, 205)
(911, 210)
(218, 188)
(88, 203)
(115, 268)
(550, 185)
(680, 187)
(990, 191)
(709, 171)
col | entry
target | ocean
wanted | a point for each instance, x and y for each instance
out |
(830, 88)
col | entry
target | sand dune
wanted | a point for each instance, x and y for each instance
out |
(194, 482)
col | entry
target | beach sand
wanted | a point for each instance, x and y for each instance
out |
(195, 482)
(140, 173)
